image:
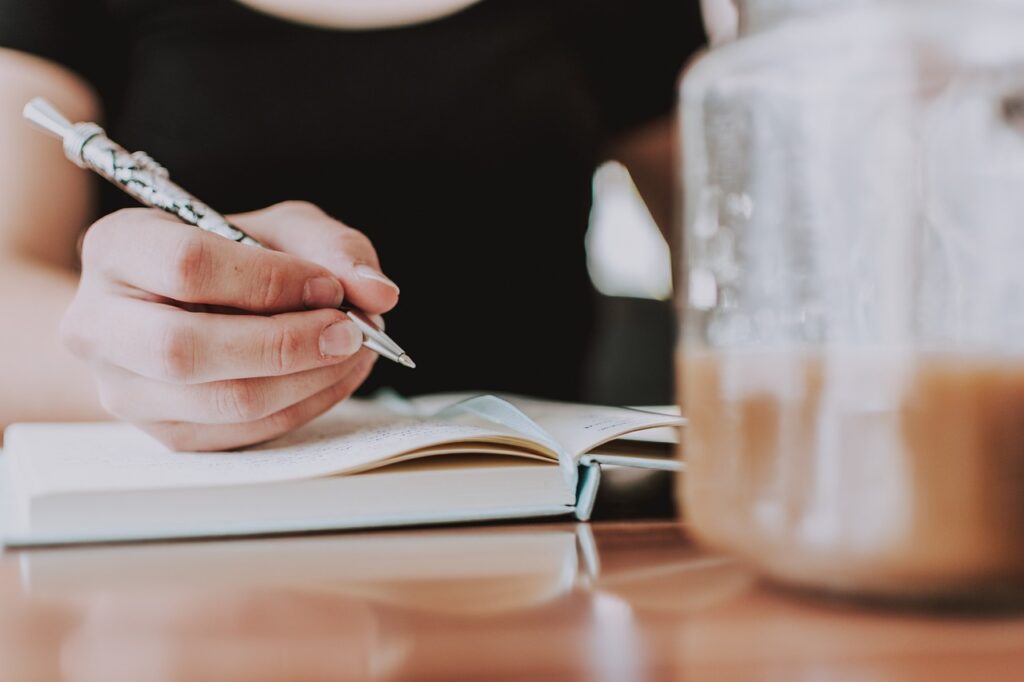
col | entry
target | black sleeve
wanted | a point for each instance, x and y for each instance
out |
(72, 33)
(633, 52)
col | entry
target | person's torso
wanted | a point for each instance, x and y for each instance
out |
(463, 147)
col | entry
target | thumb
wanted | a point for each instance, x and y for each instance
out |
(303, 230)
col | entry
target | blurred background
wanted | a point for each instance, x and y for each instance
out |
(629, 265)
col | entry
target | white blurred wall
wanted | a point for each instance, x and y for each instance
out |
(626, 253)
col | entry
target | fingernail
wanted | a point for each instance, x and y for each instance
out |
(322, 292)
(367, 272)
(341, 339)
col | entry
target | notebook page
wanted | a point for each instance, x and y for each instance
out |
(116, 456)
(580, 428)
(577, 428)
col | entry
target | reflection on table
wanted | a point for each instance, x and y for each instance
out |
(604, 601)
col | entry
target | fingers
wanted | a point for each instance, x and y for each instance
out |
(170, 345)
(155, 253)
(186, 436)
(305, 231)
(136, 398)
(158, 314)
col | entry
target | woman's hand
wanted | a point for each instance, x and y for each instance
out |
(207, 344)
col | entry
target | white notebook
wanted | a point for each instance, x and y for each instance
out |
(435, 459)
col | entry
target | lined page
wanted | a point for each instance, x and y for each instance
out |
(355, 436)
(580, 428)
(116, 456)
(577, 428)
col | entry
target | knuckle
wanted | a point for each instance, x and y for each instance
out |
(190, 267)
(240, 400)
(299, 208)
(272, 291)
(177, 352)
(357, 239)
(357, 243)
(283, 352)
(352, 246)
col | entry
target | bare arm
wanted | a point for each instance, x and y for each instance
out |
(147, 314)
(45, 202)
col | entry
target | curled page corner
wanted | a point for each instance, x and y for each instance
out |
(500, 411)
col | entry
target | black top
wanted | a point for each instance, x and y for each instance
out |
(463, 147)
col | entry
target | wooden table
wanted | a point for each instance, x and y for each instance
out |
(603, 601)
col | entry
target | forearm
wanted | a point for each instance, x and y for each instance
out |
(45, 203)
(39, 378)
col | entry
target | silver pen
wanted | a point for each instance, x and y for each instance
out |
(87, 146)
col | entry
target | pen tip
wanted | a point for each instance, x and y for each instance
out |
(407, 361)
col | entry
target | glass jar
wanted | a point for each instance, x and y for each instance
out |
(852, 354)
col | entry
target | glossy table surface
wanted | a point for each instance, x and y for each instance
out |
(603, 601)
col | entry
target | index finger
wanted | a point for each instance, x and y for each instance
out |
(153, 252)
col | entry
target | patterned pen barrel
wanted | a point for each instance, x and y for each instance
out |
(137, 174)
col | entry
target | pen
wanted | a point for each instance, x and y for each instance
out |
(87, 146)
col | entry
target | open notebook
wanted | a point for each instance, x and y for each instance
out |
(388, 462)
